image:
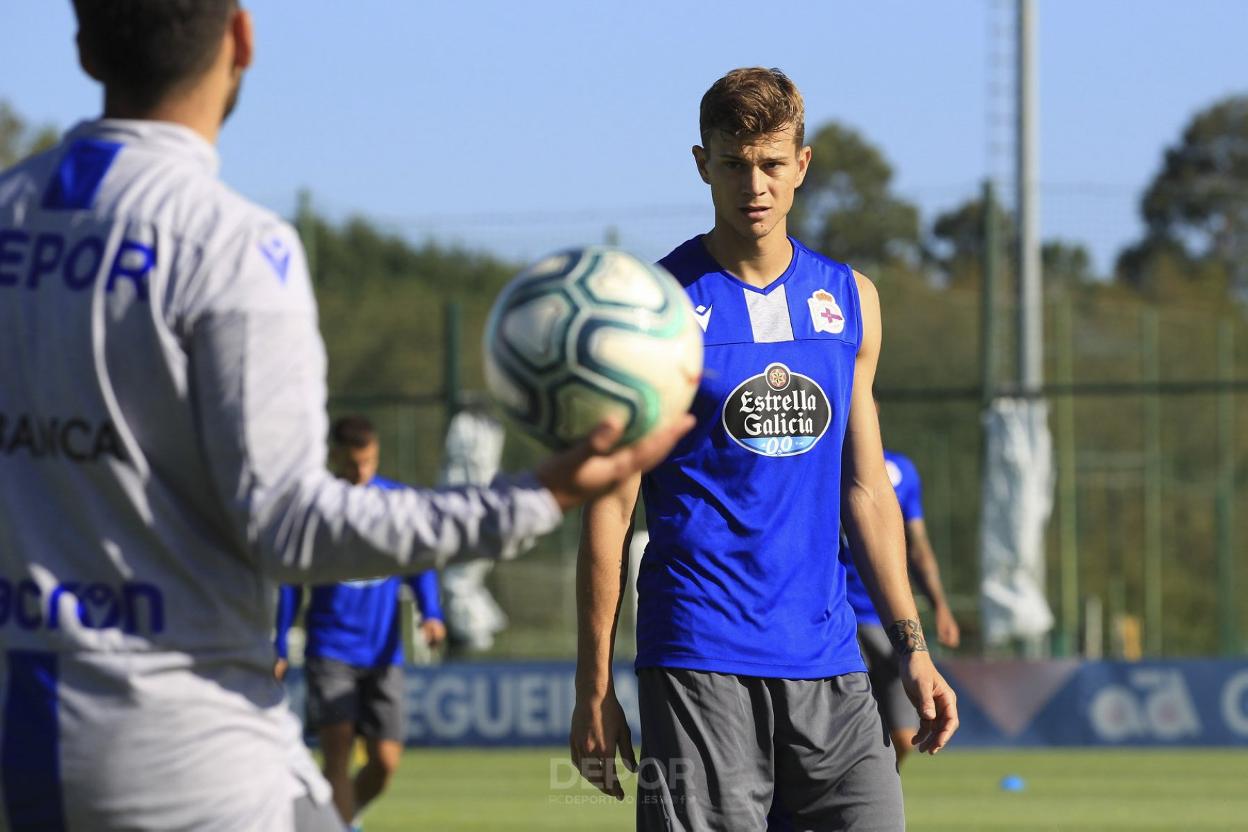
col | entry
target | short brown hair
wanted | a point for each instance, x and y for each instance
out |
(353, 431)
(753, 101)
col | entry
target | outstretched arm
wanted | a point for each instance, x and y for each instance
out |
(872, 520)
(257, 377)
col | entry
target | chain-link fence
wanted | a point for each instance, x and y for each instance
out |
(1144, 381)
(1146, 541)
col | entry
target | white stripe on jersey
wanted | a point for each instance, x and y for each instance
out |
(769, 315)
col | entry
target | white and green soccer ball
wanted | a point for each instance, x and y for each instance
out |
(590, 333)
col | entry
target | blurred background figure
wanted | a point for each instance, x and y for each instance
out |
(473, 452)
(354, 653)
(895, 709)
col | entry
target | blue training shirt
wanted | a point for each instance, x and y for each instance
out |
(741, 573)
(905, 479)
(356, 622)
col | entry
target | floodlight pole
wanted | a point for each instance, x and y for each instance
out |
(1030, 295)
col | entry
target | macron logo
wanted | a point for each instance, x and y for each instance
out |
(703, 314)
(277, 253)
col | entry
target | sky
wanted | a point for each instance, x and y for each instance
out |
(526, 126)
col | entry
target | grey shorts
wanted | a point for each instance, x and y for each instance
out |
(882, 663)
(316, 817)
(726, 753)
(371, 698)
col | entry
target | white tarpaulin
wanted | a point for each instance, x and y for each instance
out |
(1016, 502)
(474, 449)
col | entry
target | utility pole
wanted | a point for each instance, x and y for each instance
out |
(1030, 294)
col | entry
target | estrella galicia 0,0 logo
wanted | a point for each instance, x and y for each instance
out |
(777, 413)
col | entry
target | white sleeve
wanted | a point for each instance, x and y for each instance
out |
(257, 366)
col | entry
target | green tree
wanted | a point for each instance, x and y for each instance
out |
(1196, 207)
(19, 139)
(956, 247)
(956, 242)
(1066, 263)
(381, 302)
(846, 209)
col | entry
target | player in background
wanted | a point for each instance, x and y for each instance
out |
(162, 443)
(753, 692)
(882, 663)
(354, 655)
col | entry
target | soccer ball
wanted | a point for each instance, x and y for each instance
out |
(589, 333)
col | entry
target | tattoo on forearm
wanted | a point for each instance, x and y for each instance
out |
(907, 636)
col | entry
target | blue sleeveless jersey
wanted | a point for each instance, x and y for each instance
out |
(741, 573)
(905, 479)
(356, 622)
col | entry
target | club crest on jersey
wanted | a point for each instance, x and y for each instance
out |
(777, 413)
(825, 314)
(894, 472)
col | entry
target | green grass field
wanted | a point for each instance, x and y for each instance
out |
(494, 791)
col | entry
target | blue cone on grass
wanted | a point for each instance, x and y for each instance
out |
(1012, 783)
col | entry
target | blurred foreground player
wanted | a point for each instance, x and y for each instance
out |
(162, 448)
(882, 663)
(753, 694)
(354, 655)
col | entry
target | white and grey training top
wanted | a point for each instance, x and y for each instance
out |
(162, 467)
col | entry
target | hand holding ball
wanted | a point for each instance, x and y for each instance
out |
(592, 334)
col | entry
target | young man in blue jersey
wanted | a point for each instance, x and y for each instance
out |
(354, 652)
(753, 693)
(895, 709)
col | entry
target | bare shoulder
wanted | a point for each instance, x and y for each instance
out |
(869, 303)
(866, 289)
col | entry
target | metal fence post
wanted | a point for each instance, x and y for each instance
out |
(450, 355)
(1153, 507)
(1227, 633)
(305, 224)
(1067, 487)
(987, 298)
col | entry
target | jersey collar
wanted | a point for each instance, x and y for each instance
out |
(161, 135)
(712, 265)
